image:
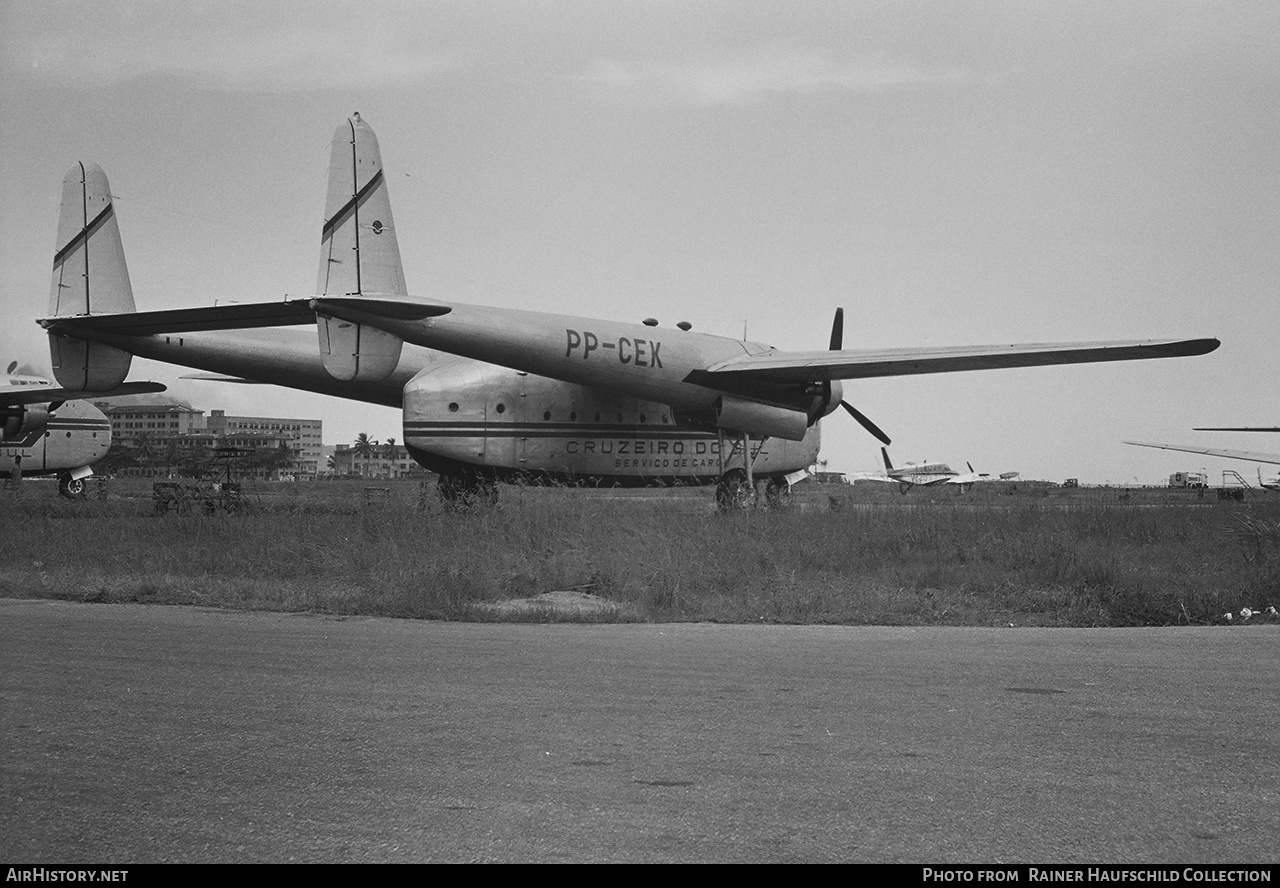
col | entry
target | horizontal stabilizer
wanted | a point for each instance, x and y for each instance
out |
(1273, 458)
(41, 395)
(789, 367)
(236, 316)
(400, 308)
(190, 320)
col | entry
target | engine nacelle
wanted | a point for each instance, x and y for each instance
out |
(23, 420)
(753, 418)
(356, 352)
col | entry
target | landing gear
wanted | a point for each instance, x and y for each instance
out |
(778, 494)
(734, 492)
(462, 490)
(71, 488)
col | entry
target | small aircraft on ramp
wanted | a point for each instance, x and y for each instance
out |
(926, 474)
(497, 394)
(46, 429)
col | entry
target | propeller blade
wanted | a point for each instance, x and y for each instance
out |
(866, 423)
(837, 331)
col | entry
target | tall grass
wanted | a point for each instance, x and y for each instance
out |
(959, 561)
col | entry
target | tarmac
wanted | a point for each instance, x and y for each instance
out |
(136, 734)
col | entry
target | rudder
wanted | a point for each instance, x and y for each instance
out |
(89, 277)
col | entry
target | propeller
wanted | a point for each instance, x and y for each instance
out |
(837, 343)
(866, 423)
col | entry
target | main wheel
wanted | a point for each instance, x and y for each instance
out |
(778, 494)
(733, 493)
(71, 488)
(466, 489)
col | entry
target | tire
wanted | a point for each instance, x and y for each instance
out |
(464, 490)
(71, 488)
(733, 493)
(778, 494)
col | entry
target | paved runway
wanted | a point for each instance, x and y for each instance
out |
(133, 734)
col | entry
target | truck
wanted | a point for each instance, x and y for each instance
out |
(1193, 480)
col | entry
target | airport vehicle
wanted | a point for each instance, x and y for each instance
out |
(46, 429)
(1189, 479)
(1271, 482)
(496, 394)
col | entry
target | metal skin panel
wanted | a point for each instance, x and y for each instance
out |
(359, 251)
(552, 431)
(76, 435)
(355, 352)
(736, 414)
(287, 358)
(89, 277)
(650, 363)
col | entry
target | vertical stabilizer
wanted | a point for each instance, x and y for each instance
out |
(884, 452)
(359, 252)
(89, 277)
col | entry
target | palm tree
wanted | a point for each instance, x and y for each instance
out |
(389, 449)
(364, 445)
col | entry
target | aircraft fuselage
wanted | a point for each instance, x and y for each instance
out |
(75, 435)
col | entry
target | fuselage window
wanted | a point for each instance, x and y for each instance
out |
(547, 416)
(502, 408)
(453, 406)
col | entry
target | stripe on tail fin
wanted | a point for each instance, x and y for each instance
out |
(89, 277)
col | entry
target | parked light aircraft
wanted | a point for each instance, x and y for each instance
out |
(46, 429)
(491, 394)
(926, 474)
(1271, 482)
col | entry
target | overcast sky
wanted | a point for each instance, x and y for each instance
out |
(965, 173)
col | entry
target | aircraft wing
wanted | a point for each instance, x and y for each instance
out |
(1238, 429)
(39, 394)
(800, 367)
(1273, 458)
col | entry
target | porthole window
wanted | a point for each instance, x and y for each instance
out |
(547, 416)
(642, 418)
(502, 408)
(453, 406)
(573, 417)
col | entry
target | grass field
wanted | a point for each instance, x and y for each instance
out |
(1021, 554)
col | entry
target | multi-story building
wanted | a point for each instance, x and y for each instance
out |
(304, 435)
(179, 429)
(382, 461)
(131, 421)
